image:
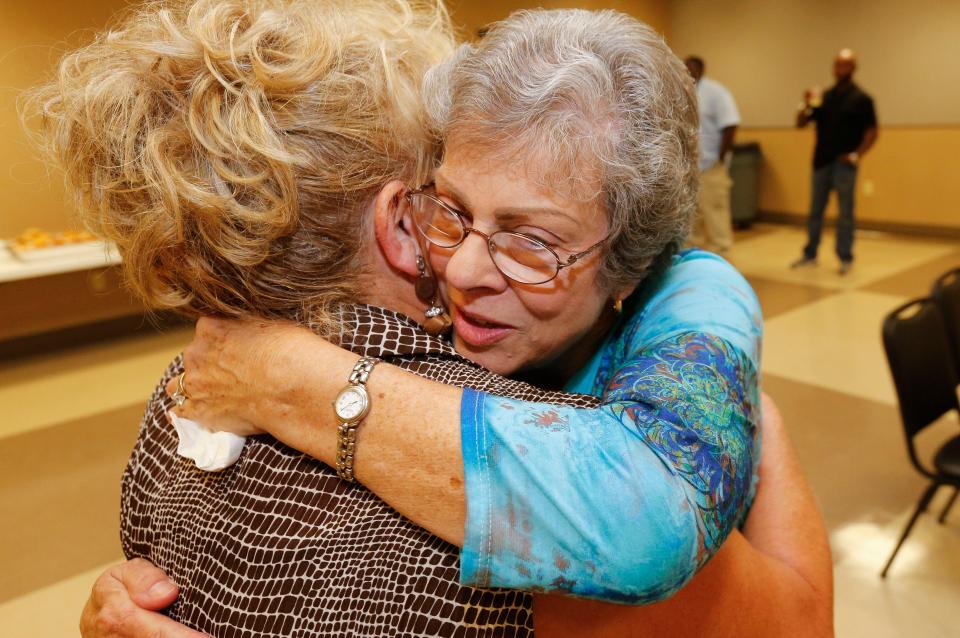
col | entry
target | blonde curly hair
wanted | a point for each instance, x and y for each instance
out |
(231, 148)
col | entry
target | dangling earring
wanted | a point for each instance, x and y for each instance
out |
(437, 320)
(426, 286)
(618, 305)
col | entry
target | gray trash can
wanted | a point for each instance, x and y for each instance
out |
(744, 169)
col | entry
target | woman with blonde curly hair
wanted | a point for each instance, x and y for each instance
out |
(228, 148)
(251, 159)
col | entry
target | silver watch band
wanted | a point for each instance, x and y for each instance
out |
(361, 371)
(347, 430)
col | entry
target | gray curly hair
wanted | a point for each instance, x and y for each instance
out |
(593, 90)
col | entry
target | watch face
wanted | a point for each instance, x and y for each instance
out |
(351, 403)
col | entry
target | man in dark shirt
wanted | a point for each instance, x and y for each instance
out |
(846, 129)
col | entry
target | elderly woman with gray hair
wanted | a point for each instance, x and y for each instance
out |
(552, 225)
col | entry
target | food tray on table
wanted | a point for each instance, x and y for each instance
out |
(38, 245)
(37, 253)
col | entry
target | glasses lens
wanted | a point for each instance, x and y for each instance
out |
(522, 259)
(436, 223)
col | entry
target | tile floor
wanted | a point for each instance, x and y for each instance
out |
(69, 420)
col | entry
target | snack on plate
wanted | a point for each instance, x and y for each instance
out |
(35, 238)
(35, 245)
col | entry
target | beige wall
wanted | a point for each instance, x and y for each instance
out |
(31, 36)
(470, 15)
(767, 51)
(34, 34)
(910, 178)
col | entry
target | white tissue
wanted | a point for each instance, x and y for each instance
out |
(211, 451)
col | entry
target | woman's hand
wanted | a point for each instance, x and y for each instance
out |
(127, 599)
(242, 376)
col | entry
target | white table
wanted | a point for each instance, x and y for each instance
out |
(88, 257)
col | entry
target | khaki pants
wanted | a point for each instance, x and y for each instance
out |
(713, 227)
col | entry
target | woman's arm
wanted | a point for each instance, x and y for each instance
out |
(777, 583)
(603, 531)
(741, 593)
(629, 536)
(785, 523)
(624, 502)
(284, 378)
(398, 442)
(773, 580)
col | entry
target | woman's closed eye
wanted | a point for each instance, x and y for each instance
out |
(537, 233)
(455, 208)
(543, 236)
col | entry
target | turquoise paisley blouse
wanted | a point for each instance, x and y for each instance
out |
(627, 501)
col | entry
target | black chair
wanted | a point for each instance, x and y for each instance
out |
(918, 351)
(946, 293)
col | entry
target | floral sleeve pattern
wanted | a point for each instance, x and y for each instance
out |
(694, 400)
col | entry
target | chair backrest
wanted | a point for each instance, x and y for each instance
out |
(915, 340)
(946, 292)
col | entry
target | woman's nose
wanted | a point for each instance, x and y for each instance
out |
(471, 266)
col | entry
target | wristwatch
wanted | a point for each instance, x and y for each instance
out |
(351, 406)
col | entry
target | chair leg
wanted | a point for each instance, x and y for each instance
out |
(921, 508)
(946, 510)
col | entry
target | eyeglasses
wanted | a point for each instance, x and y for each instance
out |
(519, 257)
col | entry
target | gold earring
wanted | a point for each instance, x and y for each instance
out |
(618, 305)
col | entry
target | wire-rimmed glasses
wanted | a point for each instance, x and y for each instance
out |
(520, 257)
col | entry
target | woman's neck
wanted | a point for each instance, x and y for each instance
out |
(555, 374)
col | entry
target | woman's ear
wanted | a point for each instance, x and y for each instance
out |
(394, 228)
(622, 293)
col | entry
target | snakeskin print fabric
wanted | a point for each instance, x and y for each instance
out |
(277, 545)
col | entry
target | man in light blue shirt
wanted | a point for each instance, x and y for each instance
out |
(713, 228)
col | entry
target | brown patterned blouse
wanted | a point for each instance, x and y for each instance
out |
(277, 545)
